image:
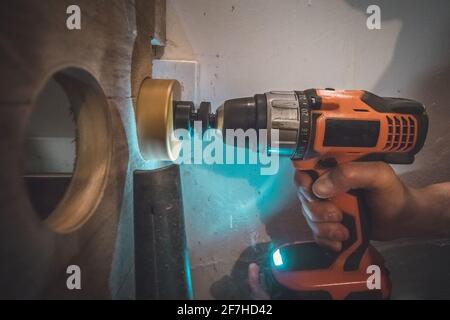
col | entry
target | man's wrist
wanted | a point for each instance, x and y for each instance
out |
(429, 212)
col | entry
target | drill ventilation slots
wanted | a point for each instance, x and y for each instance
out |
(401, 133)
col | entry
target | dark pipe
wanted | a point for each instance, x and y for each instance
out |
(161, 257)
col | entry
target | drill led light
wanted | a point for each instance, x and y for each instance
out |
(277, 259)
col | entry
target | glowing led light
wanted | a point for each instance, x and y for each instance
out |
(277, 260)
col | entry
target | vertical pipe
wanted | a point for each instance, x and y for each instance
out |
(161, 257)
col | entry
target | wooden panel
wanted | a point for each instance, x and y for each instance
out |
(113, 45)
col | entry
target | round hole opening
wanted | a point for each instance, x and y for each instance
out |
(67, 149)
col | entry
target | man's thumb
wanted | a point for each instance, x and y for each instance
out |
(353, 175)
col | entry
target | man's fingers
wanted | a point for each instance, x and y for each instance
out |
(304, 184)
(354, 175)
(257, 291)
(320, 210)
(333, 245)
(322, 216)
(332, 231)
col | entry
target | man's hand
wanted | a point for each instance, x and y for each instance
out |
(386, 196)
(395, 210)
(257, 291)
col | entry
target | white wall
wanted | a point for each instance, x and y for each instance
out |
(252, 46)
(50, 142)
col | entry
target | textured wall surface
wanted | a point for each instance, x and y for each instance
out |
(251, 46)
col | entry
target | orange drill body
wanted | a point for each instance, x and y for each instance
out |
(397, 132)
(349, 126)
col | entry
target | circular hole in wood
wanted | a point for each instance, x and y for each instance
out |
(68, 149)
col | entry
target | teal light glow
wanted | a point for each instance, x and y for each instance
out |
(226, 203)
(187, 269)
(277, 259)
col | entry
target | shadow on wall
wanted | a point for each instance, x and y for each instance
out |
(420, 70)
(410, 74)
(434, 159)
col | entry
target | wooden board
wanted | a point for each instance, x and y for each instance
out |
(113, 45)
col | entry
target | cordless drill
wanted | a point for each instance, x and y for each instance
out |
(320, 129)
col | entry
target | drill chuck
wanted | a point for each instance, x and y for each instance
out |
(287, 112)
(278, 110)
(245, 113)
(273, 110)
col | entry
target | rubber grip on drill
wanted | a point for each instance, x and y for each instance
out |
(357, 220)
